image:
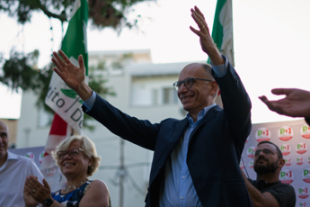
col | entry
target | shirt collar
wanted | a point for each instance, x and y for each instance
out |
(200, 114)
(12, 156)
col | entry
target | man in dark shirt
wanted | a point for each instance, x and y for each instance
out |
(267, 190)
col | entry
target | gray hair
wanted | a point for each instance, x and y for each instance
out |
(208, 70)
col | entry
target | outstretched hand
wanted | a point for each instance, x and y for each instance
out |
(295, 104)
(72, 75)
(206, 40)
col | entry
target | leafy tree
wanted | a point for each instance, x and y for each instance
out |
(102, 13)
(20, 70)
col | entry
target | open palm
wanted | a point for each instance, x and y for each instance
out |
(72, 75)
(295, 104)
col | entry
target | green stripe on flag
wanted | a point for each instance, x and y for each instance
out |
(218, 27)
(75, 40)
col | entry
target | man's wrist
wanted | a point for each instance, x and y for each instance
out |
(84, 91)
(216, 57)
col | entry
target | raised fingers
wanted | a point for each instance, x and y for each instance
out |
(196, 18)
(64, 56)
(58, 61)
(281, 91)
(81, 61)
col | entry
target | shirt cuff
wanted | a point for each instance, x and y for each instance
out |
(220, 70)
(89, 103)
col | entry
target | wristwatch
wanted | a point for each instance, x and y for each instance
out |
(48, 202)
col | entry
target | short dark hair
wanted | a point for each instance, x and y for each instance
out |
(280, 156)
(208, 70)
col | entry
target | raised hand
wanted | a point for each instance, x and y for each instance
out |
(295, 104)
(37, 191)
(206, 40)
(28, 199)
(72, 75)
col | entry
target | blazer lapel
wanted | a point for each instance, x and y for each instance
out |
(180, 127)
(209, 116)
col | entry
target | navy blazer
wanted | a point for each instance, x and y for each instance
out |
(214, 149)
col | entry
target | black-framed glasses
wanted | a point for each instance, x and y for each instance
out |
(72, 153)
(265, 151)
(188, 83)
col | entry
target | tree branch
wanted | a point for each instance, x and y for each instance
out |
(62, 17)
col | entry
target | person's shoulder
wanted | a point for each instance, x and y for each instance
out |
(170, 121)
(98, 185)
(19, 158)
(285, 186)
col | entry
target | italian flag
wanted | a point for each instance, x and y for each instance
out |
(222, 33)
(62, 99)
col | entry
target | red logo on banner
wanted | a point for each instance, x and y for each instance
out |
(263, 134)
(301, 148)
(302, 204)
(30, 155)
(305, 175)
(299, 161)
(285, 149)
(51, 171)
(41, 156)
(285, 133)
(288, 161)
(251, 152)
(241, 165)
(251, 164)
(286, 176)
(305, 131)
(303, 192)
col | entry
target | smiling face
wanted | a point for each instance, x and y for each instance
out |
(4, 139)
(268, 161)
(74, 165)
(201, 94)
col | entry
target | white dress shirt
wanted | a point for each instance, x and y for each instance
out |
(13, 174)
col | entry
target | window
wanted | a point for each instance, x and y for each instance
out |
(170, 96)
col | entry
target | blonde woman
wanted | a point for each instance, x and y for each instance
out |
(77, 158)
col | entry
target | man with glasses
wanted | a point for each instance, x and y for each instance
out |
(267, 190)
(196, 160)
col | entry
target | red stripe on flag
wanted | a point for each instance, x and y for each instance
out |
(59, 126)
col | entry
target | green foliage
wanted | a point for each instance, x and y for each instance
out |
(20, 70)
(102, 13)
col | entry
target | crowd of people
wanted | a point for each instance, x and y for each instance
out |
(183, 173)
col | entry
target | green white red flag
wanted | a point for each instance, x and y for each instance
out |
(62, 99)
(222, 33)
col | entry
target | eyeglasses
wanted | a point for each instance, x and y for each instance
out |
(72, 153)
(188, 83)
(265, 151)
